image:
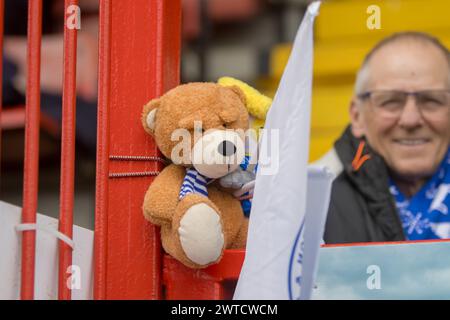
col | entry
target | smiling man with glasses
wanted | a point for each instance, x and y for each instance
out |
(393, 161)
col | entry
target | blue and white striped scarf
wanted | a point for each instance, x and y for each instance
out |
(196, 183)
(426, 215)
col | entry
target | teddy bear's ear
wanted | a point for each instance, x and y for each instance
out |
(239, 92)
(149, 115)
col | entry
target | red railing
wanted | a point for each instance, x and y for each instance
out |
(67, 153)
(139, 49)
(139, 59)
(103, 131)
(31, 160)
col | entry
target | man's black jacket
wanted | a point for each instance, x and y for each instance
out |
(361, 208)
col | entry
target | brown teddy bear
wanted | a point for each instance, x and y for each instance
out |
(201, 128)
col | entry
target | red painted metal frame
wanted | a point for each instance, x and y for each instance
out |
(216, 282)
(101, 192)
(139, 60)
(366, 244)
(31, 161)
(67, 153)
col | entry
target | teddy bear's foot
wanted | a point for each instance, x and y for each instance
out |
(201, 234)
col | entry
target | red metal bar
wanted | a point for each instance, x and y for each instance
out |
(31, 160)
(366, 244)
(144, 44)
(2, 22)
(101, 196)
(67, 152)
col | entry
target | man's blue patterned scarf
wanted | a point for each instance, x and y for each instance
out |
(426, 214)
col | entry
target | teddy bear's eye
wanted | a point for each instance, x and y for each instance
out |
(228, 125)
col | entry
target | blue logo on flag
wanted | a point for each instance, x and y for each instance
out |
(295, 265)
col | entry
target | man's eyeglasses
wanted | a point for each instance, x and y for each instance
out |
(390, 103)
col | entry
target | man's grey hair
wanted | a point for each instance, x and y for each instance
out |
(420, 37)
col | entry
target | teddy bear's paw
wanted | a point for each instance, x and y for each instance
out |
(201, 234)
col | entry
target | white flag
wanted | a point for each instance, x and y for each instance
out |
(280, 256)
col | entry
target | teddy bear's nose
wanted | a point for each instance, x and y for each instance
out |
(227, 148)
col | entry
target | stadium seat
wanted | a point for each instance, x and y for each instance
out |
(14, 118)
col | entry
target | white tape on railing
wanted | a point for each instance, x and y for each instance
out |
(56, 233)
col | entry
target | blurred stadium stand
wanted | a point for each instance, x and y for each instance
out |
(341, 41)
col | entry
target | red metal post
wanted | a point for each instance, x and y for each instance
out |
(67, 150)
(142, 40)
(31, 160)
(103, 109)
